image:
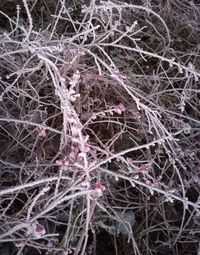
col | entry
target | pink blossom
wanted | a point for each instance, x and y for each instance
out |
(86, 148)
(99, 189)
(63, 163)
(91, 162)
(75, 140)
(50, 244)
(39, 231)
(75, 132)
(71, 118)
(36, 230)
(119, 108)
(150, 183)
(42, 131)
(100, 186)
(144, 169)
(80, 156)
(86, 138)
(129, 160)
(74, 152)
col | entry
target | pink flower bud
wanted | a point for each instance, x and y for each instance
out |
(119, 108)
(100, 186)
(99, 189)
(39, 231)
(42, 132)
(71, 118)
(75, 132)
(86, 148)
(63, 163)
(80, 156)
(50, 244)
(150, 183)
(86, 138)
(36, 230)
(129, 160)
(74, 152)
(144, 169)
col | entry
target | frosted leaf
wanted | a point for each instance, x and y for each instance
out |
(187, 129)
(129, 220)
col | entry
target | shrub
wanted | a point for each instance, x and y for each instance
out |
(99, 128)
